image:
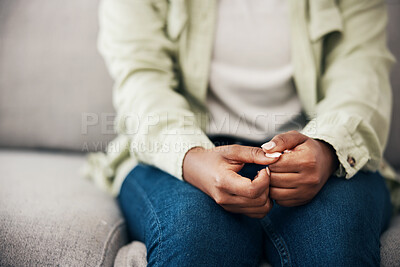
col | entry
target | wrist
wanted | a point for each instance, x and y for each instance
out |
(188, 161)
(330, 153)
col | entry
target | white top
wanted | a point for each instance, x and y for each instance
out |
(251, 87)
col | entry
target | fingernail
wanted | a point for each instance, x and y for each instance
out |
(287, 151)
(269, 145)
(268, 171)
(273, 155)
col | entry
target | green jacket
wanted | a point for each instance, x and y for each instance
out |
(159, 52)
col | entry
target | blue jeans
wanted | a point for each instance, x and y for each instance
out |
(182, 226)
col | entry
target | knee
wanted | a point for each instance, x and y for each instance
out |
(329, 238)
(202, 232)
(340, 227)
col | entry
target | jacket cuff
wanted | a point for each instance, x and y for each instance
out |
(169, 157)
(341, 133)
(183, 145)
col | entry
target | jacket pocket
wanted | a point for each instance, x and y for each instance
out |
(325, 18)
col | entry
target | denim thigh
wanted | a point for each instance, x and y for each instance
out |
(182, 226)
(341, 226)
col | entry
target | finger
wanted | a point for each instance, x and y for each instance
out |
(284, 141)
(292, 203)
(239, 201)
(246, 154)
(288, 162)
(260, 211)
(281, 194)
(257, 210)
(284, 180)
(236, 184)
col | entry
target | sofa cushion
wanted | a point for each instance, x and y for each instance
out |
(52, 80)
(131, 255)
(134, 254)
(59, 81)
(390, 241)
(50, 216)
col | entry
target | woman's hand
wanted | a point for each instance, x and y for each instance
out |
(302, 170)
(214, 171)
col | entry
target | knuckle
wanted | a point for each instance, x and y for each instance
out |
(263, 200)
(219, 181)
(280, 140)
(260, 201)
(219, 199)
(310, 160)
(218, 184)
(252, 192)
(256, 152)
(313, 180)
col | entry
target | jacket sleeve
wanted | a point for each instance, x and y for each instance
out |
(140, 57)
(354, 108)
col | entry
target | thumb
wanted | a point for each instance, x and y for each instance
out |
(284, 141)
(262, 181)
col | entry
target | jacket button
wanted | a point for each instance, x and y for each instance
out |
(351, 161)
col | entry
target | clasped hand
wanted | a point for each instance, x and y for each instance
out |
(299, 167)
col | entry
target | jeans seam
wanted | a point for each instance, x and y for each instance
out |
(152, 211)
(278, 242)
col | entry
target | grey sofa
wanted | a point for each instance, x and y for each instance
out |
(55, 105)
